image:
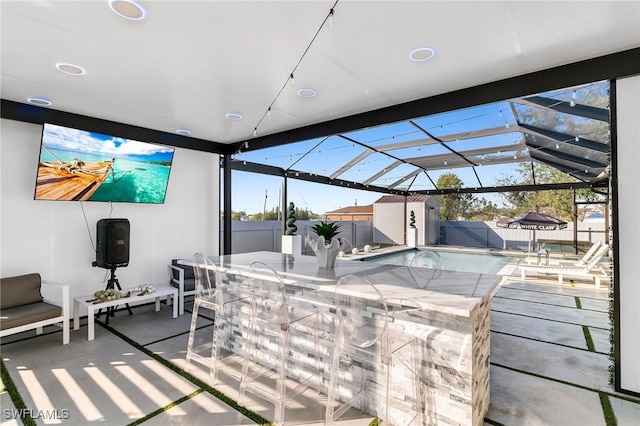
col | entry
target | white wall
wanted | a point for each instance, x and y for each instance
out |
(418, 208)
(389, 228)
(52, 237)
(628, 158)
(432, 218)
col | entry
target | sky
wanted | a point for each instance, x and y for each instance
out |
(68, 139)
(249, 190)
(495, 155)
(325, 156)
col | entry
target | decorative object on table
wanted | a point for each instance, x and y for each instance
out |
(355, 250)
(144, 289)
(106, 295)
(327, 245)
(368, 248)
(291, 243)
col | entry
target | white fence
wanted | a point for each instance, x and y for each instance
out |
(266, 235)
(488, 235)
(247, 236)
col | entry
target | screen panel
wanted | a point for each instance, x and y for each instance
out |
(78, 165)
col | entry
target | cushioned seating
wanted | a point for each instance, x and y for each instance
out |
(184, 280)
(27, 314)
(23, 307)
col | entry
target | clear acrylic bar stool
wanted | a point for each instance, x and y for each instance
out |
(216, 296)
(267, 361)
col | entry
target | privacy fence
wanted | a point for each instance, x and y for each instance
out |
(266, 235)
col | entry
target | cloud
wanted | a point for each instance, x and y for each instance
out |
(65, 138)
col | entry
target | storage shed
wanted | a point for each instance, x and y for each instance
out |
(391, 219)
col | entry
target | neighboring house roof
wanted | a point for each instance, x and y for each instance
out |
(368, 209)
(401, 198)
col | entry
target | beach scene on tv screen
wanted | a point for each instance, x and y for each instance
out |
(80, 165)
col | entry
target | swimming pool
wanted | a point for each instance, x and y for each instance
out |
(485, 263)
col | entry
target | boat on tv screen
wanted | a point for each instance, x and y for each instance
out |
(78, 165)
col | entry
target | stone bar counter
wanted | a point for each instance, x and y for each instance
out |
(445, 312)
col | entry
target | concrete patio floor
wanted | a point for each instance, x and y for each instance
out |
(544, 370)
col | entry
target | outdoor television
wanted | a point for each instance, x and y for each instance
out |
(78, 165)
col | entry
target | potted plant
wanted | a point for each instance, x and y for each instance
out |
(412, 232)
(291, 243)
(327, 245)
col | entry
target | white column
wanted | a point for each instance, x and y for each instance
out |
(628, 236)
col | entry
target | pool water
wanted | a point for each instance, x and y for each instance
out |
(485, 263)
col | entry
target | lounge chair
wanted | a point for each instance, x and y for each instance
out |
(579, 263)
(591, 270)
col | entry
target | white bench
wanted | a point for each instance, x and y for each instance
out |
(165, 291)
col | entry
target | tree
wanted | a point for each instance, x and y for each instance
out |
(452, 206)
(306, 214)
(558, 203)
(238, 215)
(483, 209)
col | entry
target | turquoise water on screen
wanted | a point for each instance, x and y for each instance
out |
(131, 181)
(465, 262)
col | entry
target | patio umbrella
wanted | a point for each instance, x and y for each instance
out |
(532, 221)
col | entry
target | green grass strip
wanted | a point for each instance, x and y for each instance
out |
(533, 301)
(575, 385)
(550, 292)
(374, 422)
(15, 395)
(555, 305)
(492, 422)
(550, 343)
(546, 319)
(609, 415)
(176, 335)
(587, 337)
(166, 407)
(578, 304)
(199, 383)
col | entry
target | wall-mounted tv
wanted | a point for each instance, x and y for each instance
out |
(78, 165)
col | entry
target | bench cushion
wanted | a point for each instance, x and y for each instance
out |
(20, 290)
(28, 314)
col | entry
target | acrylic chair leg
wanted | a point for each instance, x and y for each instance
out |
(281, 388)
(333, 382)
(249, 349)
(192, 332)
(213, 370)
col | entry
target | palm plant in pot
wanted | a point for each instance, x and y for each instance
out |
(327, 245)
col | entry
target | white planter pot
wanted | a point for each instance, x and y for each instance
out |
(325, 253)
(292, 244)
(412, 237)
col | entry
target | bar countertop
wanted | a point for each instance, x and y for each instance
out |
(450, 292)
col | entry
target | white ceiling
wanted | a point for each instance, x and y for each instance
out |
(191, 62)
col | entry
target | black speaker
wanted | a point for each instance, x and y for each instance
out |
(112, 249)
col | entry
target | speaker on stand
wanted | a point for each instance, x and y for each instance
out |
(112, 251)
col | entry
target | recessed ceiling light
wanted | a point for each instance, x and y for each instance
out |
(128, 9)
(183, 132)
(39, 101)
(422, 54)
(70, 69)
(234, 116)
(307, 92)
